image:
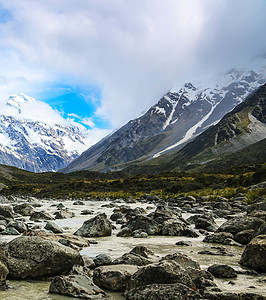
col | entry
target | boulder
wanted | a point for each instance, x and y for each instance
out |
(245, 236)
(18, 225)
(35, 257)
(254, 255)
(232, 296)
(144, 223)
(73, 241)
(6, 211)
(238, 224)
(41, 215)
(78, 202)
(174, 227)
(77, 286)
(125, 232)
(222, 271)
(257, 206)
(142, 251)
(164, 213)
(64, 214)
(53, 227)
(201, 278)
(95, 227)
(132, 259)
(183, 260)
(24, 209)
(3, 269)
(102, 259)
(217, 237)
(114, 277)
(175, 291)
(163, 272)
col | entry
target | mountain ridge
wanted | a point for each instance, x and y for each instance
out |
(35, 145)
(177, 118)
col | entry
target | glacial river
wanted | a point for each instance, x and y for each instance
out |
(116, 246)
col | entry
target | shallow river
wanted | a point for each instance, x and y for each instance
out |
(116, 246)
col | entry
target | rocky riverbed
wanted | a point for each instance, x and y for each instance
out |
(186, 248)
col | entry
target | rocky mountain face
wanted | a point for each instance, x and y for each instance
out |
(238, 139)
(178, 117)
(37, 146)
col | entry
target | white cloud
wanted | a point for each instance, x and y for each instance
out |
(136, 50)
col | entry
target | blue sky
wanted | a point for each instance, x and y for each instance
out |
(104, 62)
(77, 103)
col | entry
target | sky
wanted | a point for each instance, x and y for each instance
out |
(104, 62)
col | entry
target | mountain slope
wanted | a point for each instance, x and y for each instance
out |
(239, 138)
(175, 120)
(35, 145)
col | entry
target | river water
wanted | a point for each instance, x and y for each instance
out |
(116, 246)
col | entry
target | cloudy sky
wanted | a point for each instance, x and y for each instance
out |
(104, 62)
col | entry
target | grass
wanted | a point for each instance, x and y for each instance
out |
(114, 185)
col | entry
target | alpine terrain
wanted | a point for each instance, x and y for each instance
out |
(36, 145)
(178, 117)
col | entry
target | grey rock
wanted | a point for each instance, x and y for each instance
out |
(163, 272)
(18, 225)
(53, 227)
(114, 277)
(95, 227)
(24, 209)
(245, 236)
(222, 271)
(102, 259)
(176, 291)
(183, 260)
(77, 286)
(35, 257)
(125, 232)
(6, 211)
(132, 259)
(64, 214)
(217, 237)
(254, 256)
(238, 224)
(41, 215)
(144, 223)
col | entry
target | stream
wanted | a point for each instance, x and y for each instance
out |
(116, 246)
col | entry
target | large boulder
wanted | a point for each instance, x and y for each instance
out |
(24, 209)
(143, 222)
(77, 286)
(222, 271)
(174, 227)
(182, 260)
(113, 277)
(6, 211)
(163, 272)
(254, 255)
(232, 296)
(3, 269)
(164, 213)
(218, 237)
(238, 224)
(95, 227)
(35, 257)
(176, 291)
(41, 215)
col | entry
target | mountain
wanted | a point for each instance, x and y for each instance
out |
(177, 118)
(33, 145)
(238, 139)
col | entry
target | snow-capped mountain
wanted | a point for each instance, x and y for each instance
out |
(176, 119)
(30, 142)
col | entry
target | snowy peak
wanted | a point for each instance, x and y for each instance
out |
(176, 119)
(36, 138)
(15, 101)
